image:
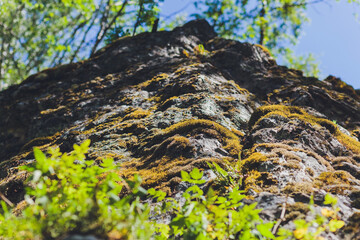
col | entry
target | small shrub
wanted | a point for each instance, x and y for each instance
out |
(209, 216)
(72, 195)
(68, 196)
(327, 221)
(200, 50)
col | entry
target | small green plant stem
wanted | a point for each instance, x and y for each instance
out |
(5, 199)
(282, 218)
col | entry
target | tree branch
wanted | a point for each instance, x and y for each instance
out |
(262, 27)
(1, 59)
(83, 39)
(138, 16)
(102, 32)
(297, 4)
(68, 41)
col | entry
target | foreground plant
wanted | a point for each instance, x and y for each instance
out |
(209, 216)
(328, 220)
(69, 194)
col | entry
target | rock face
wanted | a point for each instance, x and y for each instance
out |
(159, 104)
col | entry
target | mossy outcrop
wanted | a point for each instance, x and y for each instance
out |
(158, 106)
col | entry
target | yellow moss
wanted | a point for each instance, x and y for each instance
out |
(48, 111)
(342, 189)
(287, 154)
(181, 71)
(19, 176)
(310, 171)
(254, 159)
(40, 142)
(261, 112)
(122, 143)
(265, 49)
(251, 181)
(259, 181)
(353, 225)
(226, 98)
(337, 182)
(134, 126)
(356, 133)
(237, 132)
(281, 148)
(180, 140)
(297, 210)
(292, 112)
(164, 172)
(19, 208)
(291, 164)
(271, 114)
(230, 140)
(299, 187)
(131, 114)
(241, 90)
(341, 86)
(137, 114)
(155, 99)
(183, 98)
(334, 178)
(156, 78)
(348, 141)
(257, 158)
(173, 147)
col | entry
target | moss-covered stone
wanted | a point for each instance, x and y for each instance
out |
(292, 112)
(158, 111)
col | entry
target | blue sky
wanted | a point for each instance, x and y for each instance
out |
(333, 36)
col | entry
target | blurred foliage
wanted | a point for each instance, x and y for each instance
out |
(69, 194)
(37, 34)
(276, 24)
(306, 63)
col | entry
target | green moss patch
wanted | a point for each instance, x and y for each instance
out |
(230, 140)
(292, 112)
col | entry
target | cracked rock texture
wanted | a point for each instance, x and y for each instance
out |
(158, 105)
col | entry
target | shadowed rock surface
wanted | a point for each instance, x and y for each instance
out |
(158, 104)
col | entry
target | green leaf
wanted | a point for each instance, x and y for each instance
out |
(177, 224)
(108, 163)
(152, 191)
(60, 48)
(196, 174)
(39, 156)
(185, 176)
(85, 145)
(4, 207)
(265, 229)
(195, 190)
(221, 200)
(334, 225)
(330, 199)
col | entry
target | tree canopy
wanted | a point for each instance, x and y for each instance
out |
(37, 34)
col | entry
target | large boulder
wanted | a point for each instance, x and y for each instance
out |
(158, 103)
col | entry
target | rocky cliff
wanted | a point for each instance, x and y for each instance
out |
(159, 103)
